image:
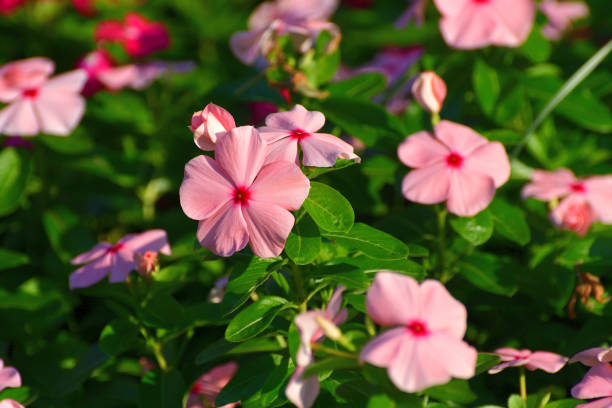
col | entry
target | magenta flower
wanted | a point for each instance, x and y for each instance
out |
(205, 390)
(430, 91)
(9, 403)
(593, 356)
(303, 391)
(284, 131)
(597, 383)
(303, 20)
(208, 123)
(425, 346)
(468, 24)
(116, 260)
(531, 360)
(9, 377)
(240, 199)
(86, 8)
(138, 36)
(9, 6)
(39, 104)
(560, 16)
(583, 201)
(455, 165)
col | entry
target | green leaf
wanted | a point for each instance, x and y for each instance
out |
(254, 319)
(510, 221)
(537, 48)
(247, 276)
(304, 242)
(92, 359)
(11, 259)
(118, 336)
(381, 401)
(222, 348)
(161, 389)
(164, 312)
(505, 136)
(490, 273)
(314, 172)
(330, 364)
(24, 395)
(456, 391)
(476, 230)
(249, 379)
(486, 86)
(372, 242)
(485, 362)
(273, 387)
(328, 208)
(367, 264)
(15, 171)
(564, 403)
(516, 401)
(363, 86)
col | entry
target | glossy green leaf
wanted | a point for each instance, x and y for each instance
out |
(11, 259)
(15, 172)
(330, 364)
(363, 86)
(490, 273)
(372, 242)
(160, 389)
(328, 208)
(477, 229)
(117, 336)
(304, 242)
(486, 86)
(510, 221)
(254, 319)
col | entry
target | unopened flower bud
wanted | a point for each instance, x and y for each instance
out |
(430, 91)
(146, 263)
(208, 124)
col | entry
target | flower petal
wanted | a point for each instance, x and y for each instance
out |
(469, 193)
(459, 357)
(427, 185)
(91, 273)
(600, 403)
(421, 150)
(599, 195)
(70, 82)
(459, 138)
(442, 312)
(241, 153)
(297, 118)
(302, 392)
(285, 149)
(123, 264)
(269, 226)
(333, 306)
(393, 299)
(282, 184)
(596, 383)
(322, 150)
(502, 366)
(547, 361)
(19, 119)
(225, 232)
(470, 28)
(514, 21)
(490, 159)
(307, 326)
(117, 78)
(152, 240)
(9, 377)
(450, 7)
(9, 403)
(58, 111)
(245, 45)
(548, 185)
(205, 188)
(383, 349)
(96, 252)
(589, 357)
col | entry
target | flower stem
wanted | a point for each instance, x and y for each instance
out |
(523, 384)
(435, 119)
(328, 350)
(442, 213)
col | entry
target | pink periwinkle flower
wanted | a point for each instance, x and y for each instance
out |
(9, 377)
(205, 390)
(430, 91)
(531, 360)
(583, 201)
(284, 131)
(9, 6)
(593, 356)
(303, 391)
(239, 198)
(303, 20)
(208, 124)
(117, 260)
(425, 347)
(37, 103)
(139, 36)
(560, 16)
(597, 383)
(469, 24)
(9, 403)
(455, 165)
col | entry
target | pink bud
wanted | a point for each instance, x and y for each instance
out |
(573, 214)
(429, 90)
(208, 123)
(146, 263)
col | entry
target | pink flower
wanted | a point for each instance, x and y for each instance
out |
(303, 391)
(284, 131)
(85, 8)
(9, 377)
(238, 198)
(210, 123)
(560, 16)
(593, 356)
(583, 201)
(596, 383)
(430, 91)
(9, 403)
(8, 6)
(94, 63)
(532, 360)
(455, 165)
(39, 104)
(146, 263)
(303, 20)
(205, 390)
(468, 24)
(116, 260)
(425, 347)
(139, 36)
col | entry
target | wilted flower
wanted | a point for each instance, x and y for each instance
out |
(138, 36)
(430, 91)
(208, 123)
(596, 383)
(531, 360)
(455, 165)
(205, 390)
(588, 284)
(425, 347)
(560, 16)
(9, 377)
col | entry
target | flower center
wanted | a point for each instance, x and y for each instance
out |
(299, 134)
(578, 187)
(417, 328)
(241, 195)
(30, 93)
(454, 160)
(481, 1)
(115, 248)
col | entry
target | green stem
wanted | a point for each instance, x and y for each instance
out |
(523, 384)
(571, 84)
(442, 212)
(435, 119)
(328, 350)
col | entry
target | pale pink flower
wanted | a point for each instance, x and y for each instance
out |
(583, 201)
(531, 360)
(596, 383)
(116, 260)
(9, 403)
(593, 356)
(425, 347)
(284, 131)
(9, 377)
(468, 24)
(146, 262)
(303, 391)
(303, 20)
(430, 91)
(240, 199)
(208, 123)
(138, 35)
(205, 390)
(36, 103)
(455, 165)
(560, 16)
